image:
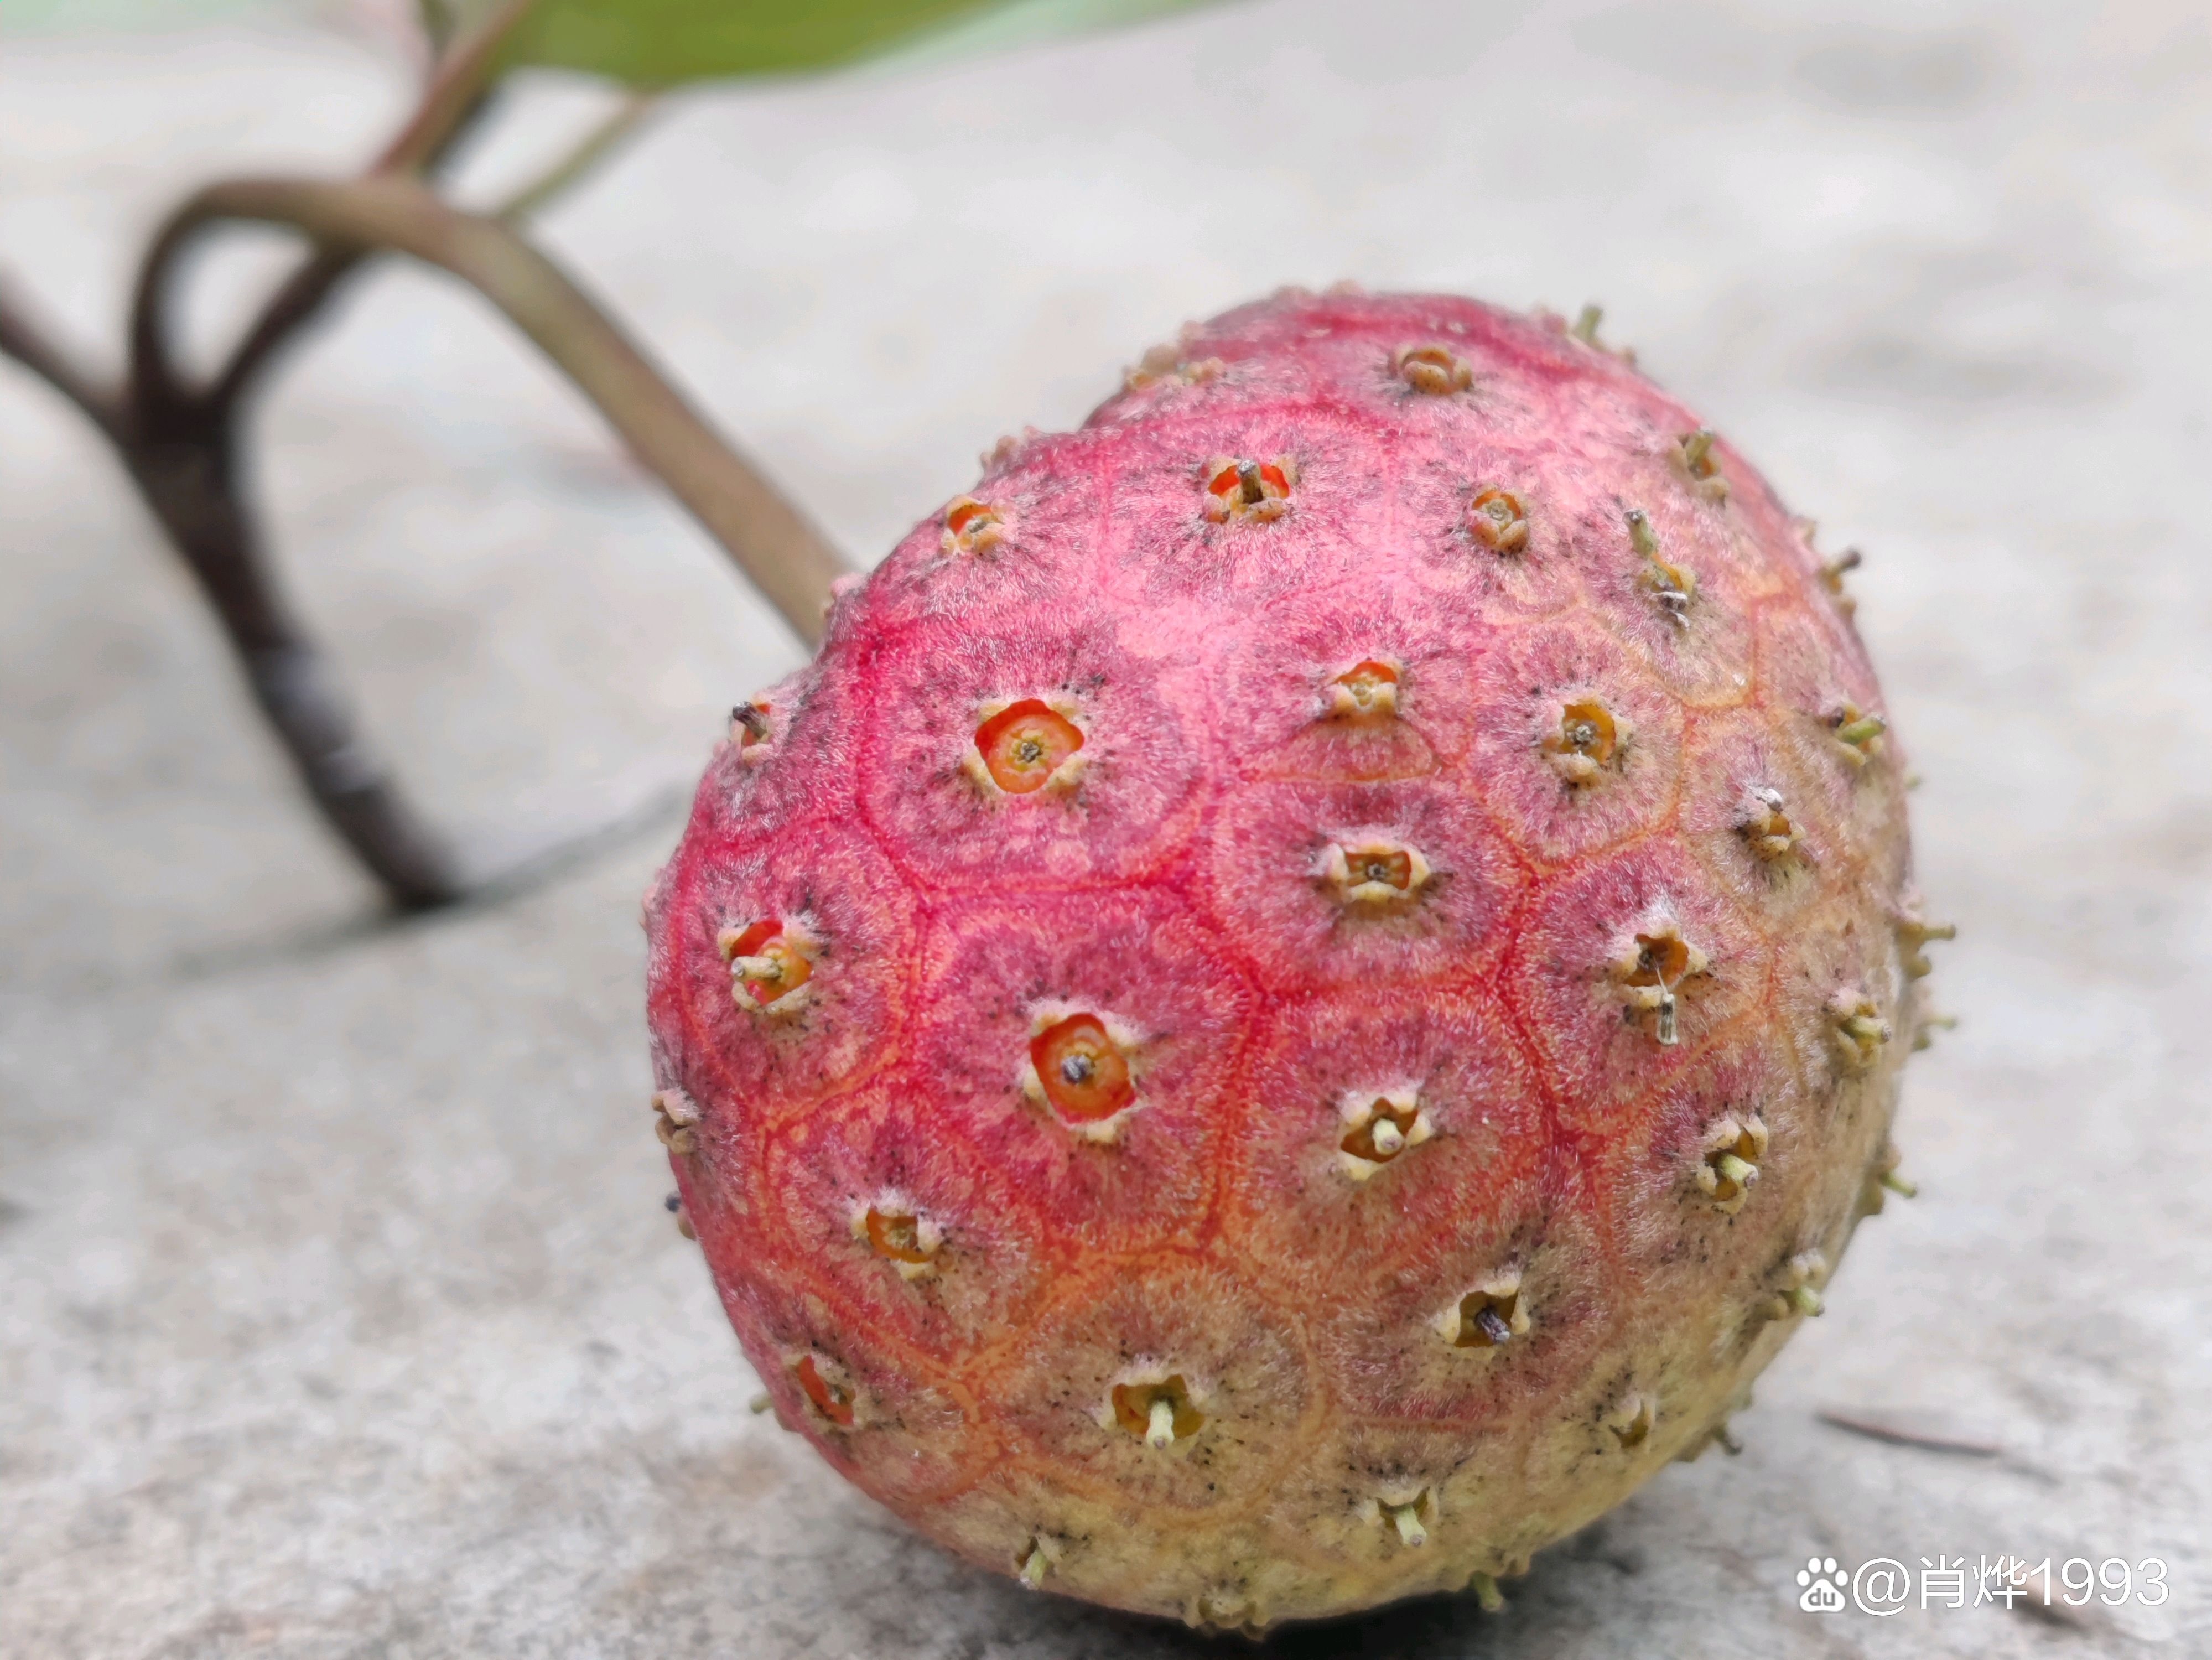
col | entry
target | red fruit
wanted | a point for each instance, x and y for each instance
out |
(1313, 979)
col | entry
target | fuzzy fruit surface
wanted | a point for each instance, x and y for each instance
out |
(1343, 946)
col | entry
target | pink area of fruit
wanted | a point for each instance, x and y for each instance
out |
(1312, 981)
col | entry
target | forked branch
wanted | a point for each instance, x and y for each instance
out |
(783, 555)
(179, 441)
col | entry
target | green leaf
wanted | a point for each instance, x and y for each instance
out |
(660, 43)
(1020, 22)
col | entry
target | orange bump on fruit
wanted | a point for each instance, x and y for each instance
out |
(1432, 369)
(1029, 745)
(971, 526)
(770, 963)
(1257, 490)
(1080, 1068)
(1498, 519)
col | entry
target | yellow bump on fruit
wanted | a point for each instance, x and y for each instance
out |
(1832, 573)
(1158, 1407)
(1034, 1565)
(1649, 967)
(1912, 933)
(1733, 1171)
(1882, 1180)
(1716, 1433)
(1487, 1316)
(1694, 450)
(674, 1119)
(1857, 1028)
(1632, 1420)
(1406, 1519)
(1230, 1609)
(1002, 453)
(1487, 1596)
(1766, 825)
(1858, 734)
(1163, 363)
(674, 1204)
(1583, 739)
(1403, 1511)
(1729, 1161)
(1671, 586)
(1798, 1292)
(1583, 329)
(1432, 369)
(1923, 1035)
(1498, 520)
(1373, 871)
(1379, 1127)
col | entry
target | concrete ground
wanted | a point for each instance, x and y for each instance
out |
(338, 1313)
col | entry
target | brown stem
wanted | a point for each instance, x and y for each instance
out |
(301, 297)
(456, 87)
(179, 443)
(194, 488)
(784, 556)
(449, 105)
(190, 484)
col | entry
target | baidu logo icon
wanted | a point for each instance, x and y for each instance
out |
(1824, 1584)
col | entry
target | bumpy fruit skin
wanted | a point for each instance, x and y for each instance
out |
(1401, 1047)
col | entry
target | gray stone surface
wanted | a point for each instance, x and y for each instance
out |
(338, 1314)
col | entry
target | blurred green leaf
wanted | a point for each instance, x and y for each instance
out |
(660, 43)
(1019, 22)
